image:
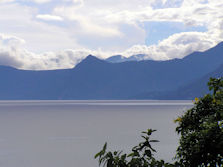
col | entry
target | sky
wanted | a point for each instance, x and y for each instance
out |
(58, 34)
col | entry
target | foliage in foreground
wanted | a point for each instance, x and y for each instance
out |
(201, 138)
(201, 130)
(141, 155)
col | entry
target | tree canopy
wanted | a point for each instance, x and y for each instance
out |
(201, 130)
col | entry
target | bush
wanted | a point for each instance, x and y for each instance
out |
(201, 130)
(141, 155)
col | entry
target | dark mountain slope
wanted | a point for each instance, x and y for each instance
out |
(196, 88)
(22, 84)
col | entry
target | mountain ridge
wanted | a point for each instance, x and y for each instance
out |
(95, 78)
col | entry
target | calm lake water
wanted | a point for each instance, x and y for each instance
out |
(70, 133)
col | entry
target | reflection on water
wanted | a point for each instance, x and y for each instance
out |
(69, 133)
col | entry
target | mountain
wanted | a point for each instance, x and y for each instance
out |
(94, 78)
(116, 59)
(23, 84)
(194, 89)
(197, 88)
(120, 58)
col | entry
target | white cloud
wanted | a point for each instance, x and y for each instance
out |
(87, 26)
(7, 40)
(77, 2)
(8, 59)
(48, 17)
(93, 30)
(23, 59)
(117, 14)
(12, 53)
(6, 1)
(40, 1)
(40, 36)
(191, 13)
(176, 46)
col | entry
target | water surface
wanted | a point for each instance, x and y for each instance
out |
(69, 133)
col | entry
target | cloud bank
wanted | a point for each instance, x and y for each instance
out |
(64, 32)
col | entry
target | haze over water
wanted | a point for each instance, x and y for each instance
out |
(70, 133)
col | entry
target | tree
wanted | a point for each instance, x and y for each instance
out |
(141, 155)
(201, 130)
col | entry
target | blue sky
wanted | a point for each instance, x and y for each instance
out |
(52, 34)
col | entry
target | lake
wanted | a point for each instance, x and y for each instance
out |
(70, 133)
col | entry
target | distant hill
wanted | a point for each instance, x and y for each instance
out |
(99, 79)
(194, 89)
(116, 59)
(197, 88)
(120, 58)
(23, 84)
